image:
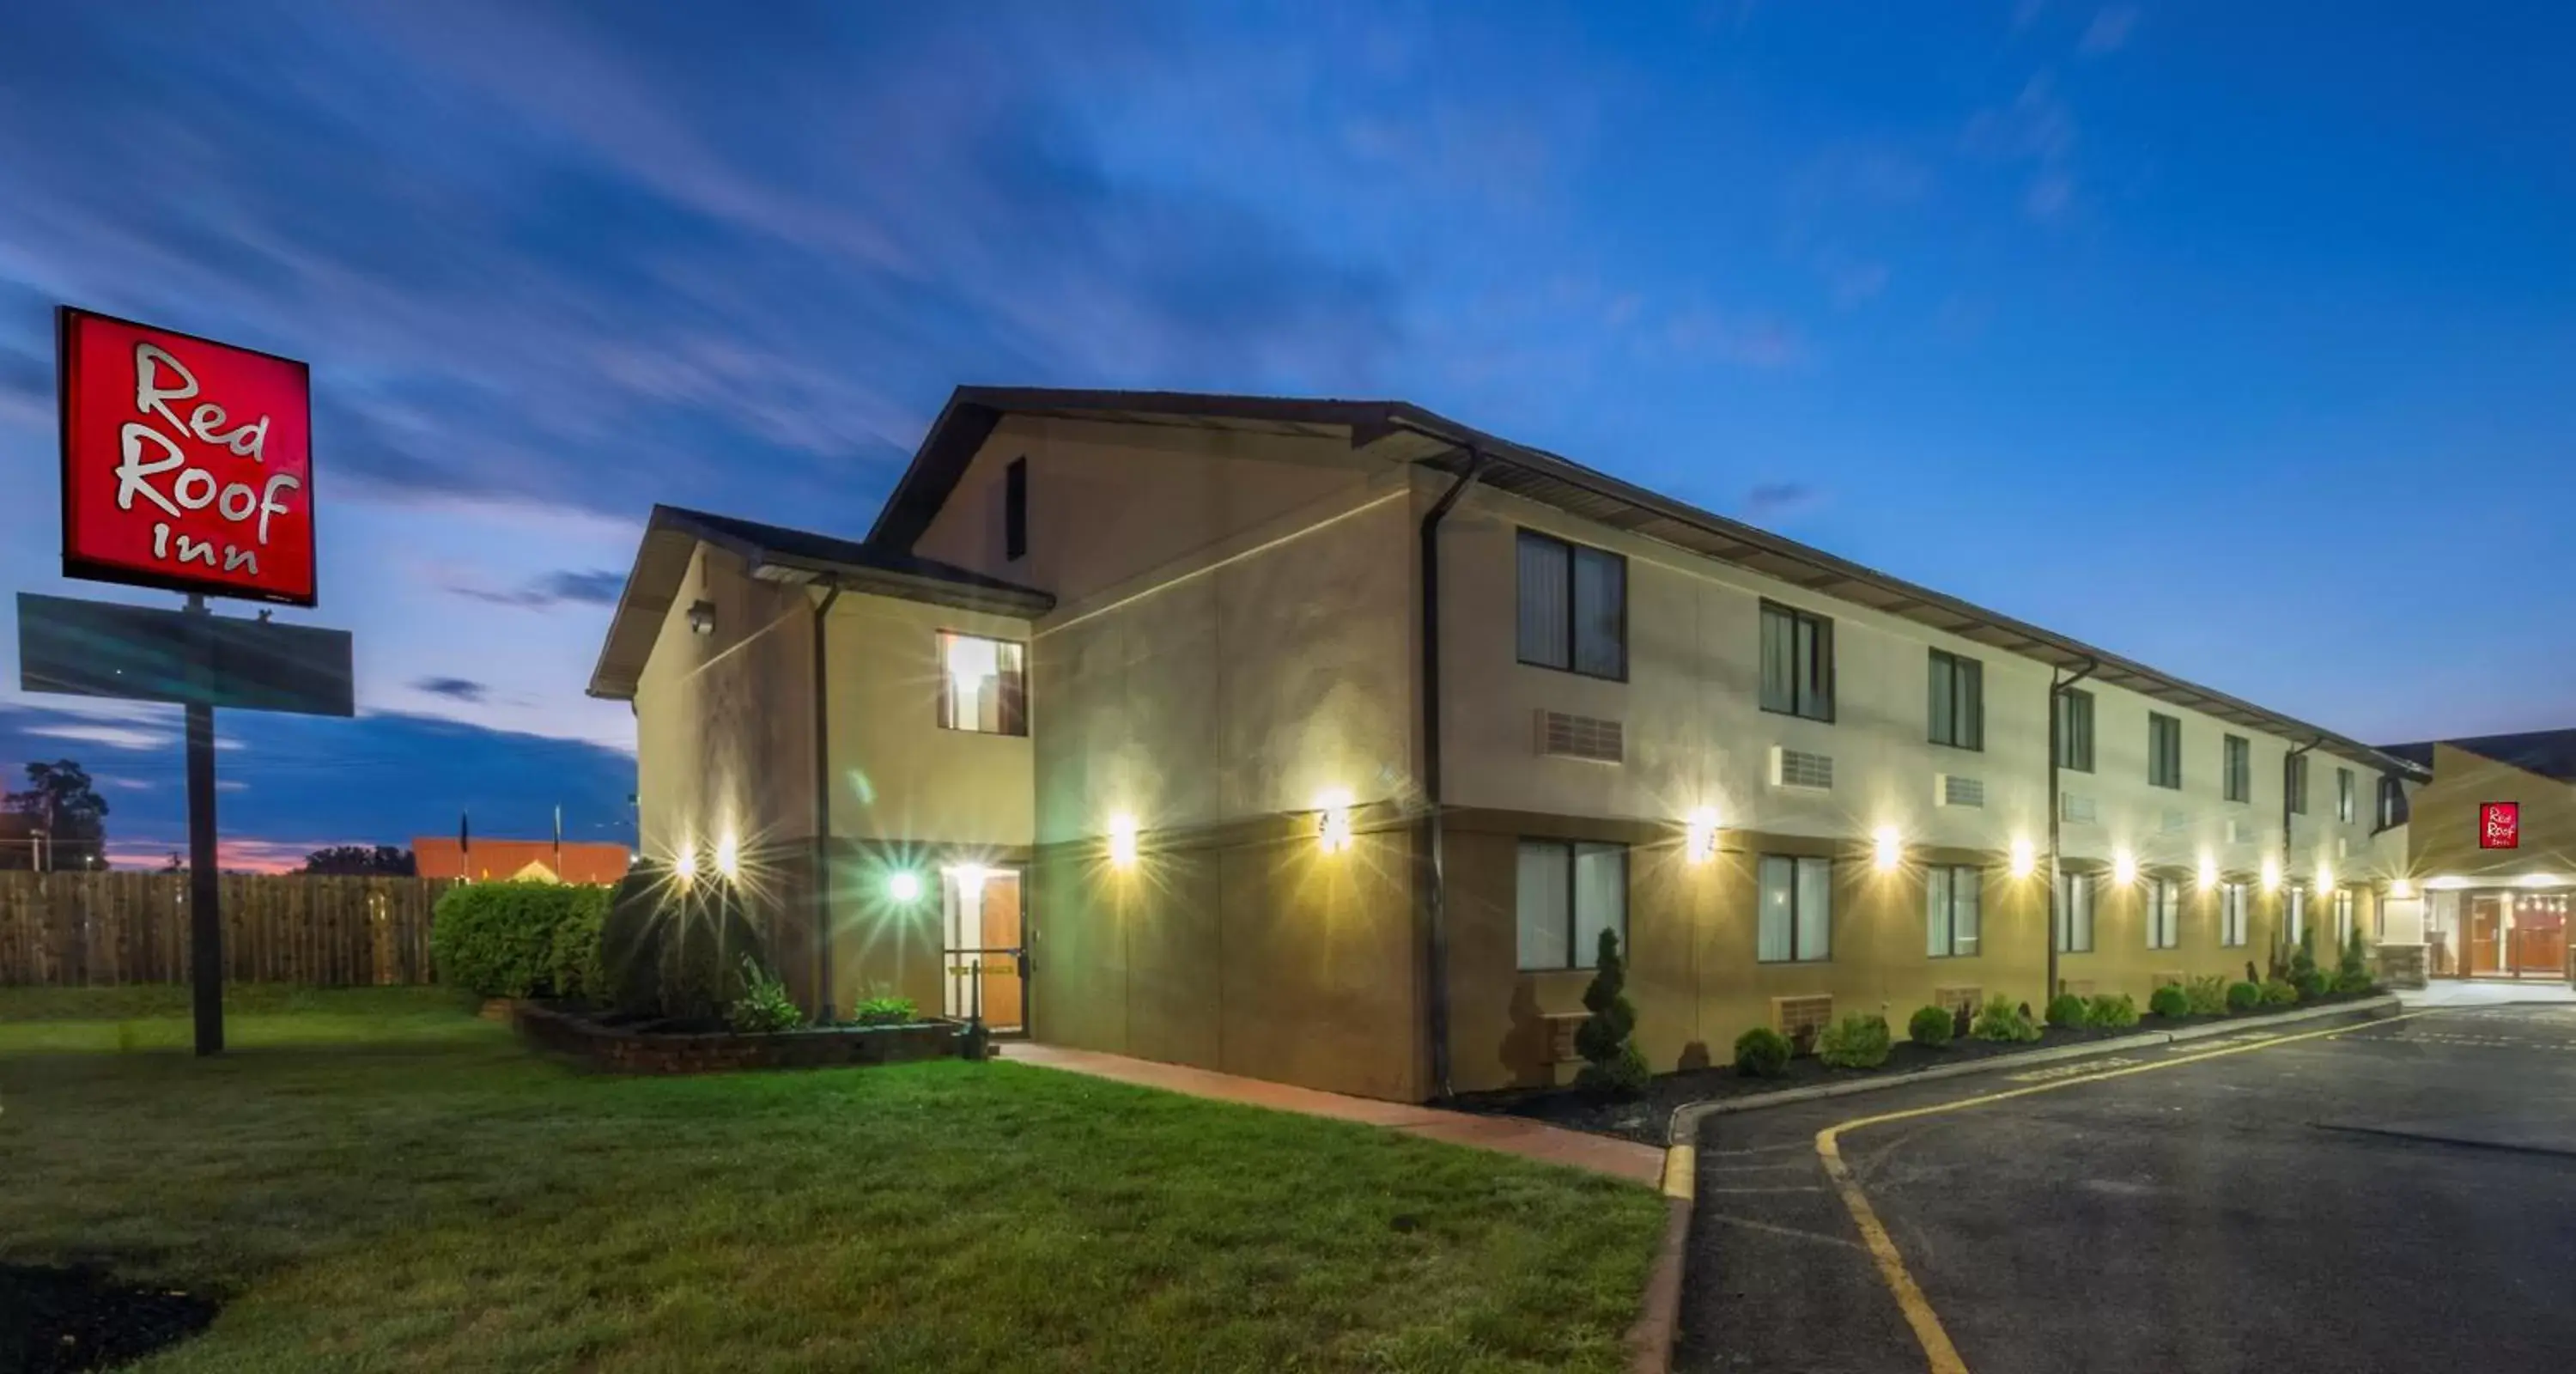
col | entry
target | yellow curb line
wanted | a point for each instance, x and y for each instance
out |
(1942, 1356)
(1681, 1172)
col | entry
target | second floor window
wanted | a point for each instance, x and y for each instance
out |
(2295, 778)
(1797, 663)
(1950, 911)
(2164, 913)
(2075, 730)
(1574, 607)
(2392, 801)
(2344, 811)
(983, 685)
(1958, 701)
(1015, 509)
(2164, 750)
(2231, 914)
(2238, 766)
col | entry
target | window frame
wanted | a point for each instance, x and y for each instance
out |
(2235, 915)
(1573, 554)
(2343, 916)
(2069, 699)
(2164, 913)
(1961, 672)
(1948, 926)
(2347, 796)
(1011, 702)
(2236, 768)
(1015, 510)
(2164, 751)
(2294, 912)
(1576, 958)
(1761, 906)
(1822, 627)
(2295, 781)
(2061, 917)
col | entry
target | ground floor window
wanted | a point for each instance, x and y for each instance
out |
(1950, 904)
(2343, 916)
(2296, 920)
(2074, 916)
(2164, 913)
(2231, 914)
(1568, 893)
(1797, 910)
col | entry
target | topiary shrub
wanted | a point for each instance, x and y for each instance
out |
(1762, 1053)
(2352, 965)
(2169, 1001)
(1613, 1065)
(1854, 1042)
(2279, 992)
(674, 949)
(885, 1011)
(2206, 996)
(2244, 996)
(2112, 1011)
(2302, 971)
(1931, 1027)
(1999, 1019)
(2311, 983)
(763, 1007)
(2066, 1010)
(518, 939)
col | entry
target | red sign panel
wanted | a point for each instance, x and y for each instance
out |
(187, 464)
(2499, 825)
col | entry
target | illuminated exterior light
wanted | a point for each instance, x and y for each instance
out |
(2124, 868)
(1700, 835)
(1333, 822)
(1887, 848)
(2325, 876)
(904, 885)
(2024, 861)
(1122, 840)
(2271, 875)
(2208, 874)
(685, 863)
(729, 858)
(2399, 887)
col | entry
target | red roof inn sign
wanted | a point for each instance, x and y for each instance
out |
(2499, 825)
(187, 464)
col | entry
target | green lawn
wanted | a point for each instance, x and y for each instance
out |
(377, 1181)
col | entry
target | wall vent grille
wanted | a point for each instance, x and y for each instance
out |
(1798, 768)
(1799, 1018)
(1567, 736)
(1958, 791)
(2075, 809)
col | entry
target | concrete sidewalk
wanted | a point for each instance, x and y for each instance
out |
(1621, 1159)
(2484, 992)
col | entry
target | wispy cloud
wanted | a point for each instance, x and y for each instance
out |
(2038, 130)
(594, 588)
(453, 688)
(1773, 501)
(2109, 31)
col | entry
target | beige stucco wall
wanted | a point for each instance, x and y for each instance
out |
(896, 775)
(2443, 834)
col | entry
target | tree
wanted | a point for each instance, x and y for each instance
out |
(1607, 1038)
(361, 860)
(62, 805)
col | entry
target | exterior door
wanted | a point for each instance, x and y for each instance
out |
(985, 951)
(2540, 935)
(2486, 935)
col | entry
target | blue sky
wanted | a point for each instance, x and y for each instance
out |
(2233, 337)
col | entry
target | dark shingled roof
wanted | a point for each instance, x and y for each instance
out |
(2550, 753)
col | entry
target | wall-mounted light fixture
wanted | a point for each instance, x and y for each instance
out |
(2124, 867)
(2271, 874)
(729, 857)
(1333, 822)
(903, 886)
(1699, 835)
(1122, 840)
(2399, 887)
(702, 617)
(2208, 873)
(1887, 848)
(2325, 876)
(685, 863)
(2024, 860)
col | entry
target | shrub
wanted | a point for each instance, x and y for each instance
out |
(1999, 1019)
(885, 1011)
(2169, 1001)
(2206, 996)
(2244, 996)
(2352, 965)
(1613, 1064)
(518, 939)
(2311, 983)
(2112, 1010)
(2278, 992)
(1854, 1042)
(764, 1005)
(2066, 1009)
(2353, 982)
(674, 949)
(1761, 1053)
(1930, 1027)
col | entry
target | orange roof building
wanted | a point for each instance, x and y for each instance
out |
(443, 857)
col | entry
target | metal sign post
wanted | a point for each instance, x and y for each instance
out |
(205, 902)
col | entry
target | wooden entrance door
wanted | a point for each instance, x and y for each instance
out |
(2486, 935)
(2540, 935)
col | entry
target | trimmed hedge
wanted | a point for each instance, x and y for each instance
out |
(2243, 996)
(1854, 1042)
(1762, 1053)
(2169, 1002)
(519, 939)
(1931, 1027)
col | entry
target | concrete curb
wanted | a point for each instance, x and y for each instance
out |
(1650, 1339)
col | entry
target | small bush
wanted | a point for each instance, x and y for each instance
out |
(2352, 965)
(2279, 992)
(1930, 1027)
(764, 1005)
(1999, 1019)
(1854, 1042)
(885, 1011)
(2244, 996)
(2112, 1011)
(2066, 1010)
(510, 939)
(2352, 980)
(1762, 1053)
(2169, 1001)
(2311, 983)
(2206, 996)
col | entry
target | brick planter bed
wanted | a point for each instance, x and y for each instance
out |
(627, 1049)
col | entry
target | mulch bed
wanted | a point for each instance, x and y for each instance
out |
(1646, 1118)
(62, 1321)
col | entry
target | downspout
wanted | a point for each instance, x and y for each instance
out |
(2057, 688)
(823, 1009)
(2289, 762)
(1435, 882)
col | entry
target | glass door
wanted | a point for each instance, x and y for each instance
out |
(985, 963)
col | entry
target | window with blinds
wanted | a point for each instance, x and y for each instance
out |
(1573, 607)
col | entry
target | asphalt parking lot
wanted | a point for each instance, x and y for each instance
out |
(2398, 1196)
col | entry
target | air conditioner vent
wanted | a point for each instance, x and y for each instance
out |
(1579, 737)
(1799, 1018)
(1798, 768)
(1953, 790)
(2075, 810)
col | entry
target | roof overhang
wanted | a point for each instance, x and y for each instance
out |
(779, 555)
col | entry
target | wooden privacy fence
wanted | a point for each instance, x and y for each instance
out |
(76, 929)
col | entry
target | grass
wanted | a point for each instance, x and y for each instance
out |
(375, 1180)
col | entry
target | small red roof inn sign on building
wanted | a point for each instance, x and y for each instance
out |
(187, 464)
(2499, 825)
